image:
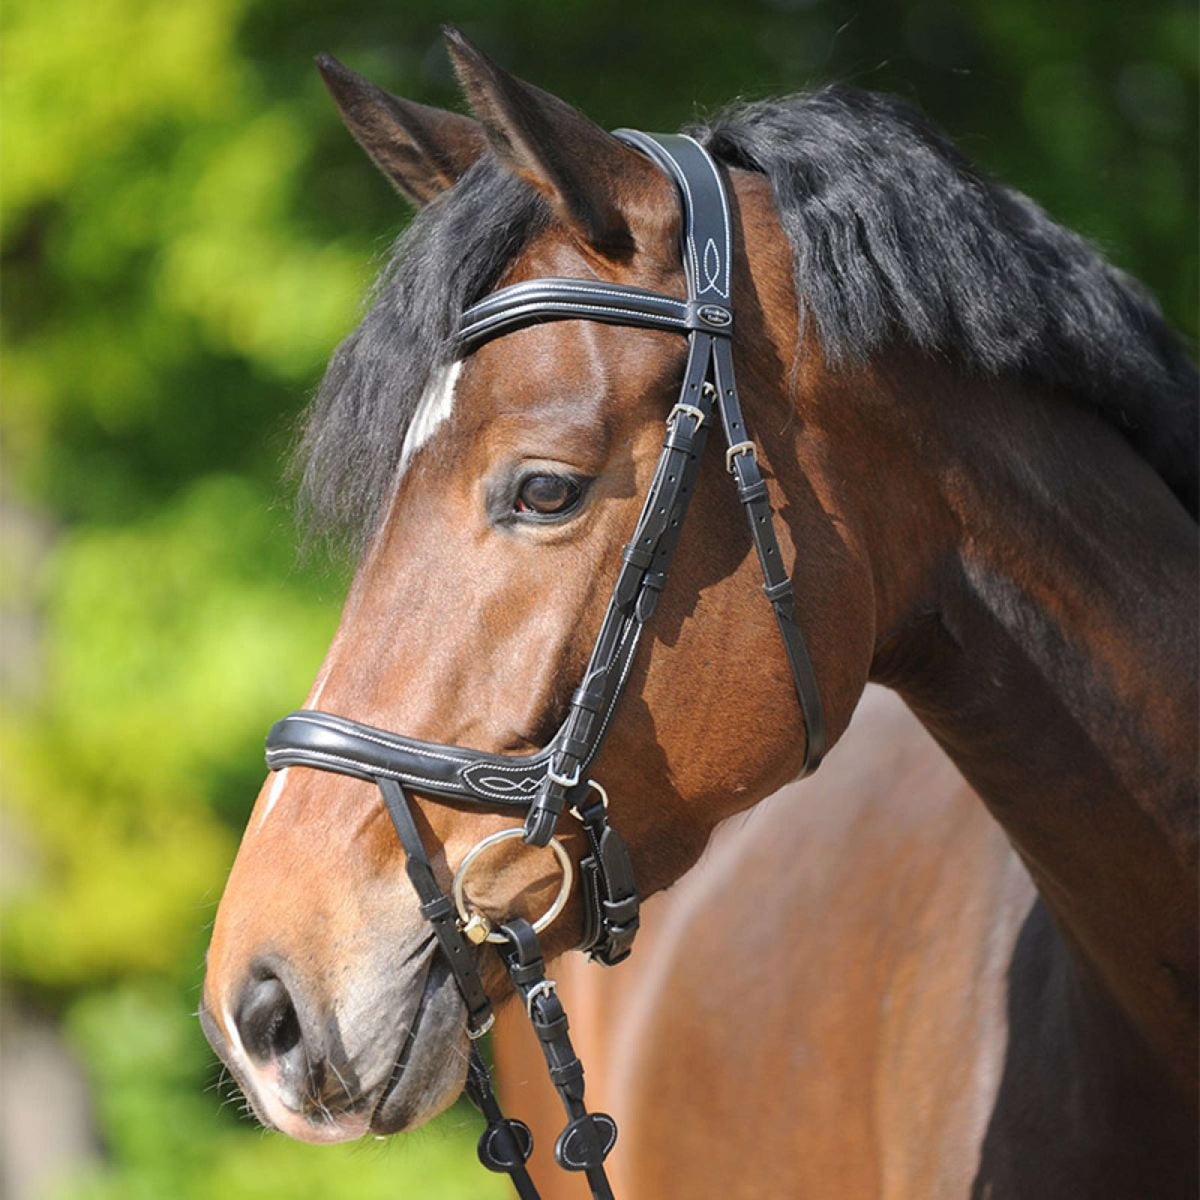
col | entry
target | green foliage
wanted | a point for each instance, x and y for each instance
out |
(186, 233)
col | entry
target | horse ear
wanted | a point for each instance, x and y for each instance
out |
(578, 167)
(422, 150)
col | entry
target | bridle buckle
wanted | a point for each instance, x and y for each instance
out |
(736, 449)
(475, 1034)
(544, 987)
(565, 781)
(688, 410)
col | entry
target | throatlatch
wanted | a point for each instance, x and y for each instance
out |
(544, 784)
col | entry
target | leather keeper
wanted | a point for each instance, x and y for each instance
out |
(438, 909)
(638, 557)
(753, 492)
(568, 1076)
(775, 592)
(552, 1030)
(527, 974)
(678, 438)
(575, 747)
(590, 697)
(620, 914)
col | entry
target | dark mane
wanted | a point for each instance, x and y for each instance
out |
(894, 235)
(450, 256)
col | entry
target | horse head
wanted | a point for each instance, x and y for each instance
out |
(496, 489)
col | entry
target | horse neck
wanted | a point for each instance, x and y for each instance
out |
(1037, 592)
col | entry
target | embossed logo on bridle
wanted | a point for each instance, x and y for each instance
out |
(714, 314)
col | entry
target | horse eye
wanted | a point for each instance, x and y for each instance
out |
(549, 495)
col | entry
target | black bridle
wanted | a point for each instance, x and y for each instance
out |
(543, 784)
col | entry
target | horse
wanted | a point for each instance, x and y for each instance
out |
(979, 438)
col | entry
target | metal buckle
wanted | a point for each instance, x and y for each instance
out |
(479, 924)
(690, 410)
(543, 987)
(566, 781)
(736, 449)
(478, 1033)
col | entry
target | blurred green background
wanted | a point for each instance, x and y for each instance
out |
(187, 232)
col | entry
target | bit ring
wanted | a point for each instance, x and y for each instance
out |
(458, 888)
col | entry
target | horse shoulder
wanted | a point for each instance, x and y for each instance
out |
(844, 945)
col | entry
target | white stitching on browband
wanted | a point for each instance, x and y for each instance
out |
(561, 305)
(389, 745)
(712, 166)
(587, 288)
(525, 306)
(305, 758)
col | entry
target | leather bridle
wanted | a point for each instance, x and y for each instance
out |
(543, 784)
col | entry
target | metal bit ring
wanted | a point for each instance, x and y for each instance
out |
(458, 887)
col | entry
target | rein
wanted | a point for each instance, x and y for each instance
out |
(543, 784)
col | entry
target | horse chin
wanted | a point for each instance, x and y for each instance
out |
(431, 1068)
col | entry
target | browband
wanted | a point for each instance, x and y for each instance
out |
(536, 300)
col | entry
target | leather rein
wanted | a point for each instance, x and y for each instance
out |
(542, 785)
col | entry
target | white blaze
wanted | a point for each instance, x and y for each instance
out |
(273, 795)
(432, 409)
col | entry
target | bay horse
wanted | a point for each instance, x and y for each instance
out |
(981, 441)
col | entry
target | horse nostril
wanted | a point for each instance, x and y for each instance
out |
(266, 1019)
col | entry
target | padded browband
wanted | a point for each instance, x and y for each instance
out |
(539, 300)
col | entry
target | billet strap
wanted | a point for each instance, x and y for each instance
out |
(742, 461)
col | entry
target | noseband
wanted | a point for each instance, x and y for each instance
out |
(543, 784)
